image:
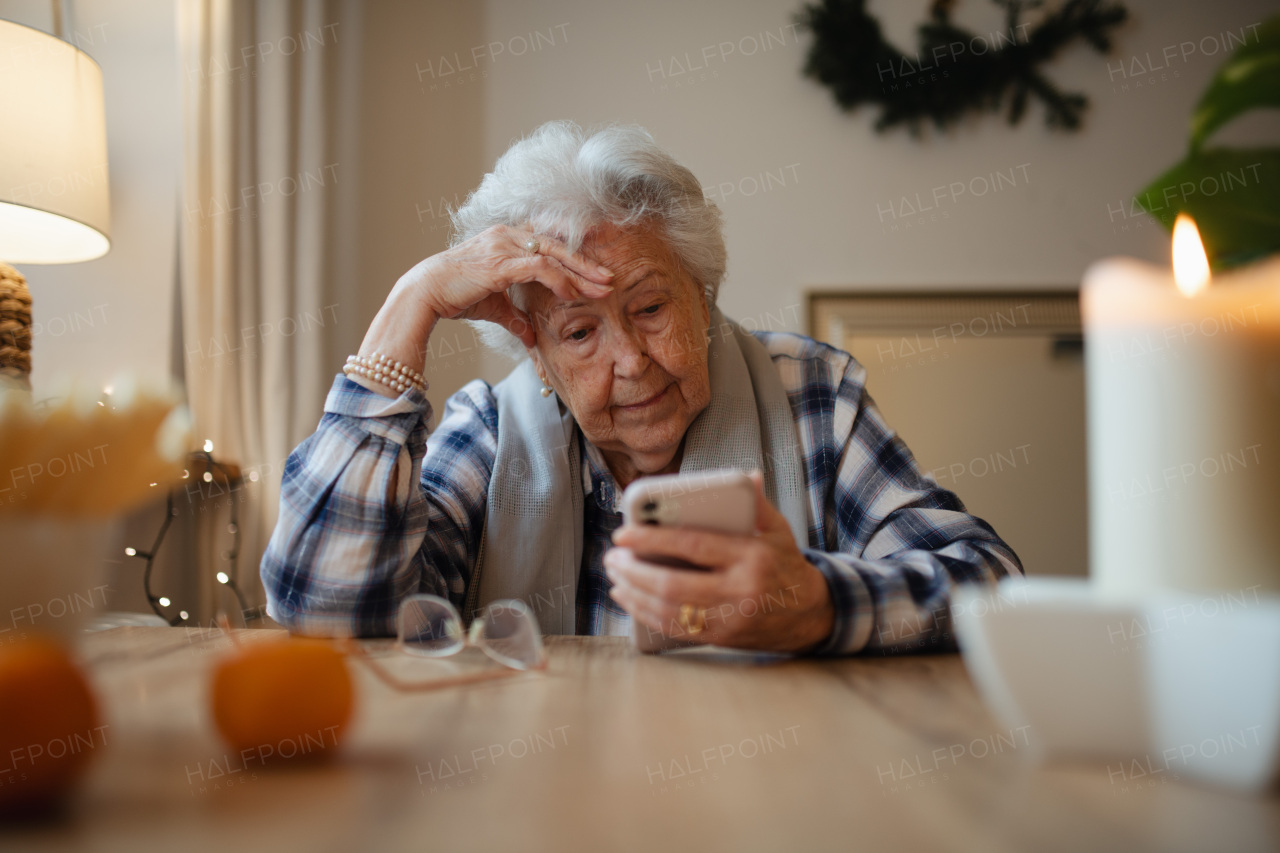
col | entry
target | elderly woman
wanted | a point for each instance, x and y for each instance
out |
(598, 259)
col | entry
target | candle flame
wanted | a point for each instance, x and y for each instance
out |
(1190, 263)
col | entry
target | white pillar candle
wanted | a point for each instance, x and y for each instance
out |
(1184, 430)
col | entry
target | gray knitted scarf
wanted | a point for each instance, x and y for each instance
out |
(531, 548)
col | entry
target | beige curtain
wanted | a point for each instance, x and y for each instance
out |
(262, 255)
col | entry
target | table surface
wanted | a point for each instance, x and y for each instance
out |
(610, 750)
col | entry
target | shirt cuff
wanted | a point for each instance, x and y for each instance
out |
(393, 418)
(851, 601)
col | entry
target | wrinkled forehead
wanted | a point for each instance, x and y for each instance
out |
(631, 253)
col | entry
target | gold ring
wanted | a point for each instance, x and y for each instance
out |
(532, 245)
(687, 611)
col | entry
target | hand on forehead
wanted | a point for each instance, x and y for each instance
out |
(631, 254)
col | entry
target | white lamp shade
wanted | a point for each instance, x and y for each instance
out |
(54, 205)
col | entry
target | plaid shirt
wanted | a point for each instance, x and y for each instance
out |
(372, 509)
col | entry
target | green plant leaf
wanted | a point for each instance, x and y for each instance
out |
(1250, 78)
(1233, 194)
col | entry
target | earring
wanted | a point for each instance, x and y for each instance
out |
(546, 392)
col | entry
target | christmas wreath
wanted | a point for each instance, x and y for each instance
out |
(954, 72)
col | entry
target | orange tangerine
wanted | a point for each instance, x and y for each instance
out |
(48, 725)
(283, 698)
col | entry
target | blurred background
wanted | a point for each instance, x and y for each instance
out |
(412, 102)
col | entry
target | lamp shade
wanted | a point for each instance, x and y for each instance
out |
(54, 205)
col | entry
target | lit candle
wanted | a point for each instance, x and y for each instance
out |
(1184, 424)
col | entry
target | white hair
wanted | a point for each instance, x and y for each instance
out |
(564, 181)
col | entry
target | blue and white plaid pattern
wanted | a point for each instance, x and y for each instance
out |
(372, 510)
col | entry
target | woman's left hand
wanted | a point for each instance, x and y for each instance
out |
(759, 591)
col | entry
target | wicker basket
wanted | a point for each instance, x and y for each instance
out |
(15, 325)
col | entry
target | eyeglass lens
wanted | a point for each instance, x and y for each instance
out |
(430, 627)
(508, 632)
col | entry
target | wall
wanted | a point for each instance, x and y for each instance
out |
(833, 215)
(830, 213)
(422, 150)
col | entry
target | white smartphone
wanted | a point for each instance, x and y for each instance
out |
(723, 501)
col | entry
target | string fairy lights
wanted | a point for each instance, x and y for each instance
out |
(229, 475)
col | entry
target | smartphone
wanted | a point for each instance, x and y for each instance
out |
(722, 501)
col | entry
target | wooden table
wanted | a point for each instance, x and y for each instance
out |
(609, 750)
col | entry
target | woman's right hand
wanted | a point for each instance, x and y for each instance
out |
(470, 281)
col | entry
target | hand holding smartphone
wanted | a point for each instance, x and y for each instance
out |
(721, 501)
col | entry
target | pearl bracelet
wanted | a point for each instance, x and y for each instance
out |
(385, 371)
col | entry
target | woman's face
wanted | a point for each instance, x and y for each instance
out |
(632, 366)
